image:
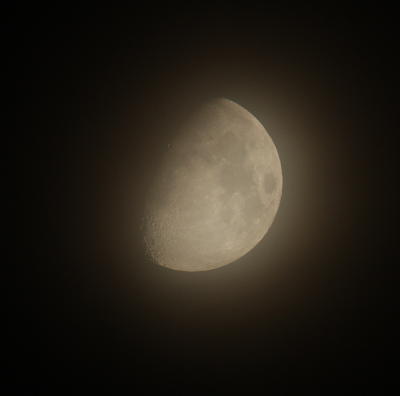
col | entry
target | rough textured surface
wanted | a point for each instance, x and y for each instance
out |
(217, 192)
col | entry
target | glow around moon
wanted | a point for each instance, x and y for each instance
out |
(217, 191)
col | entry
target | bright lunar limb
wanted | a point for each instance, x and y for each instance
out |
(217, 191)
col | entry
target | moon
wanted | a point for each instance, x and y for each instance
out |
(216, 193)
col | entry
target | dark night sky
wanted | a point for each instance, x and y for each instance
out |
(100, 93)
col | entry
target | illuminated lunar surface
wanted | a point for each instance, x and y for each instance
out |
(217, 191)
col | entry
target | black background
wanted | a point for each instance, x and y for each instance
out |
(99, 92)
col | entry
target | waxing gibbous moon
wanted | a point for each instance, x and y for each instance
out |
(217, 191)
